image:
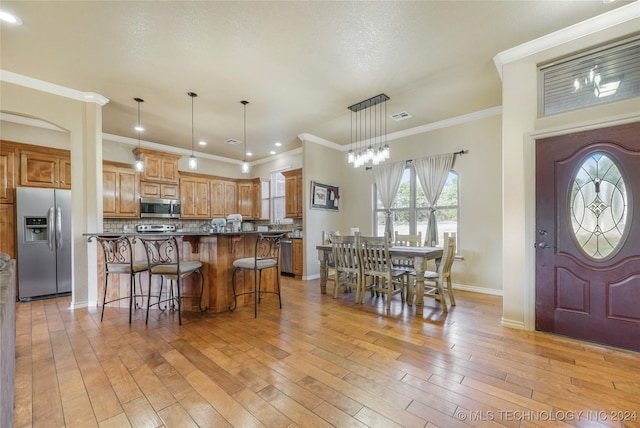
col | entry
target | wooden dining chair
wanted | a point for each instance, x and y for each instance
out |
(346, 260)
(330, 271)
(378, 269)
(404, 263)
(403, 240)
(436, 281)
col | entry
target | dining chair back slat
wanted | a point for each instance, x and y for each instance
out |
(376, 265)
(346, 263)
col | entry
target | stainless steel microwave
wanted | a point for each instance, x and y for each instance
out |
(162, 208)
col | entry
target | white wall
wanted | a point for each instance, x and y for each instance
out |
(480, 195)
(27, 134)
(323, 165)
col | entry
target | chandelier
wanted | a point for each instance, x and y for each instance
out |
(369, 132)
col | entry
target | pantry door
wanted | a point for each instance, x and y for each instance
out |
(588, 235)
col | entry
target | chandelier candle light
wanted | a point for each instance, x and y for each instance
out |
(245, 164)
(193, 161)
(139, 164)
(369, 132)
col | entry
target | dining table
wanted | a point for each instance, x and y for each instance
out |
(419, 255)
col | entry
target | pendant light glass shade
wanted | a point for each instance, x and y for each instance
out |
(245, 165)
(193, 161)
(139, 165)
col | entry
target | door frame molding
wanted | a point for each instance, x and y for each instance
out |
(529, 150)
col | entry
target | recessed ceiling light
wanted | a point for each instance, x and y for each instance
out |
(11, 19)
(203, 143)
(278, 144)
(272, 152)
(249, 154)
(138, 128)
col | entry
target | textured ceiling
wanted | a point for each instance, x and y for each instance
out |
(299, 64)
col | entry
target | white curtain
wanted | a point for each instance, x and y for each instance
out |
(432, 173)
(388, 178)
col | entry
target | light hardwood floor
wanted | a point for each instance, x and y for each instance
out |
(317, 362)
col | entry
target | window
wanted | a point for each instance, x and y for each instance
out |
(602, 76)
(409, 209)
(277, 199)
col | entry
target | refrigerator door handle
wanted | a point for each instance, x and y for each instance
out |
(50, 235)
(58, 228)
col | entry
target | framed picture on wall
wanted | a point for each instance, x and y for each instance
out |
(324, 196)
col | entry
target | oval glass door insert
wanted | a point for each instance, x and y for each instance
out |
(598, 206)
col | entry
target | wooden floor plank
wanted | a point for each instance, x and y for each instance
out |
(318, 361)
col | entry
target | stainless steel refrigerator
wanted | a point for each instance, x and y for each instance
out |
(44, 242)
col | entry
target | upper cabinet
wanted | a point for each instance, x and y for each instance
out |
(46, 168)
(261, 199)
(194, 196)
(293, 193)
(7, 174)
(120, 191)
(158, 166)
(160, 177)
(245, 199)
(224, 199)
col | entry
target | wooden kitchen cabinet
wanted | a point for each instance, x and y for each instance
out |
(120, 194)
(297, 257)
(261, 201)
(224, 200)
(160, 177)
(158, 166)
(245, 199)
(149, 189)
(8, 230)
(47, 168)
(293, 193)
(194, 196)
(7, 174)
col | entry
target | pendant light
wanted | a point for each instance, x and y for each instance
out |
(193, 161)
(245, 164)
(369, 126)
(139, 165)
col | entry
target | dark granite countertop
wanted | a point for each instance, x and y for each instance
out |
(252, 232)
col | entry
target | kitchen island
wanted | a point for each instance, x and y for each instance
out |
(216, 251)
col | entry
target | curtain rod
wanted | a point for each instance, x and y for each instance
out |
(460, 153)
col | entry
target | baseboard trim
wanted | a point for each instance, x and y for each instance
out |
(518, 325)
(80, 305)
(475, 289)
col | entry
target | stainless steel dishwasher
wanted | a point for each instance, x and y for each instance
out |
(286, 256)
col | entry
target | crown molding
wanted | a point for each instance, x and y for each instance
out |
(585, 28)
(470, 117)
(52, 88)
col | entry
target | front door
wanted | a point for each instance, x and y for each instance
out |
(588, 235)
